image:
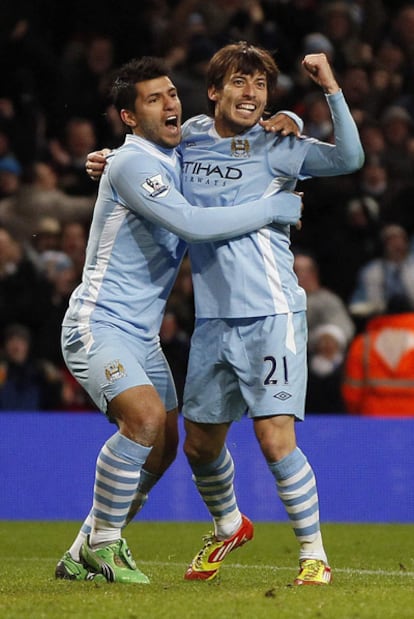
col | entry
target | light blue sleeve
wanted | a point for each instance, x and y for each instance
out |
(343, 157)
(141, 184)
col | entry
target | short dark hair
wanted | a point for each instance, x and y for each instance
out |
(123, 91)
(244, 58)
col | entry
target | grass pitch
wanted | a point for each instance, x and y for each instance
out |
(373, 571)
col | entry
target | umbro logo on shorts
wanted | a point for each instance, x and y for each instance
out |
(282, 395)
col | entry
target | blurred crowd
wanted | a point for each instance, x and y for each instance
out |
(354, 254)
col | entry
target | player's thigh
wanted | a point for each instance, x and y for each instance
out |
(272, 365)
(211, 393)
(108, 363)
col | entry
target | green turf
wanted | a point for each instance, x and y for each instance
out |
(373, 567)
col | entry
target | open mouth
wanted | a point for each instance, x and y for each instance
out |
(246, 107)
(172, 121)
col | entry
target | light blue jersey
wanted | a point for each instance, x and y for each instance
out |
(133, 251)
(253, 275)
(131, 263)
(248, 348)
(110, 338)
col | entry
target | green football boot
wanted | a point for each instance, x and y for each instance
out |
(69, 569)
(115, 562)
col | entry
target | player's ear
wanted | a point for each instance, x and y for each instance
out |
(212, 93)
(128, 118)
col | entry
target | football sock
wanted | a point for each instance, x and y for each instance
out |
(147, 481)
(214, 482)
(296, 487)
(117, 476)
(81, 537)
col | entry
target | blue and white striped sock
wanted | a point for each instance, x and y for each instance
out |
(214, 482)
(146, 482)
(118, 469)
(296, 487)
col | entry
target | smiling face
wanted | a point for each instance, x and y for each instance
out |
(241, 82)
(157, 112)
(240, 103)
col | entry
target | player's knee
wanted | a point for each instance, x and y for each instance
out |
(198, 452)
(142, 425)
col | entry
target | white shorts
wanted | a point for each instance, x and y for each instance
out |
(106, 361)
(257, 365)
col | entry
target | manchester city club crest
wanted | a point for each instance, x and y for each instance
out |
(114, 370)
(240, 148)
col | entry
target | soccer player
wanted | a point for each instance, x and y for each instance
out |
(110, 332)
(248, 349)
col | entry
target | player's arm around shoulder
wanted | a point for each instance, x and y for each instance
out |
(137, 178)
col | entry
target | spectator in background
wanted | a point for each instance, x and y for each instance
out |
(352, 233)
(46, 236)
(26, 383)
(5, 131)
(73, 244)
(357, 89)
(10, 177)
(379, 367)
(61, 274)
(24, 290)
(373, 139)
(397, 126)
(30, 82)
(68, 154)
(327, 347)
(87, 67)
(190, 78)
(375, 182)
(401, 34)
(353, 242)
(391, 275)
(39, 196)
(323, 305)
(339, 23)
(386, 194)
(385, 88)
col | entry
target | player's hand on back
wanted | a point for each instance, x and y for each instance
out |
(281, 123)
(95, 163)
